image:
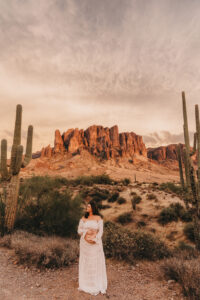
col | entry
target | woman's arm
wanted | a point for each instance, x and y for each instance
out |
(98, 237)
(81, 230)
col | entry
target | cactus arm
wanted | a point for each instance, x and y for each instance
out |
(198, 153)
(194, 145)
(3, 166)
(29, 141)
(180, 166)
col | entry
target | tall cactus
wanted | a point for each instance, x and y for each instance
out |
(180, 166)
(10, 176)
(192, 177)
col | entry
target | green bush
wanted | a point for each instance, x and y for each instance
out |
(90, 180)
(124, 218)
(141, 224)
(50, 212)
(173, 212)
(42, 252)
(186, 216)
(2, 216)
(126, 181)
(103, 206)
(167, 215)
(135, 200)
(189, 231)
(123, 244)
(186, 273)
(113, 197)
(121, 200)
(151, 196)
(171, 187)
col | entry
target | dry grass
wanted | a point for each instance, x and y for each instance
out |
(186, 272)
(49, 252)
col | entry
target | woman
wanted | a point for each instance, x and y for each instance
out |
(92, 266)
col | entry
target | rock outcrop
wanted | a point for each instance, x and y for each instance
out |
(100, 141)
(164, 153)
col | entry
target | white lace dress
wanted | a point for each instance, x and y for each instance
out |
(92, 265)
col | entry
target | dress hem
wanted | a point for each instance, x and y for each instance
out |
(92, 293)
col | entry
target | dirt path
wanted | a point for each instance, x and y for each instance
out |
(142, 282)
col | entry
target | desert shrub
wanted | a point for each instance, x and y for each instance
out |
(124, 218)
(40, 185)
(189, 231)
(121, 200)
(171, 187)
(103, 206)
(186, 273)
(123, 244)
(141, 224)
(183, 246)
(167, 215)
(135, 200)
(98, 195)
(174, 212)
(2, 216)
(50, 213)
(130, 161)
(48, 252)
(113, 197)
(126, 181)
(91, 180)
(133, 193)
(151, 196)
(186, 216)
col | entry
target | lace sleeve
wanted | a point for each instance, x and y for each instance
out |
(98, 237)
(81, 230)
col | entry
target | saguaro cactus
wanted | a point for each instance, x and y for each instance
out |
(192, 177)
(180, 166)
(10, 176)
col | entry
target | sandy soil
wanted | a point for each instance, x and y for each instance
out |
(141, 282)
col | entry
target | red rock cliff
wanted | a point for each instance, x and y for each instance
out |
(101, 141)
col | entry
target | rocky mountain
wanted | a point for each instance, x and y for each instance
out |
(100, 141)
(166, 153)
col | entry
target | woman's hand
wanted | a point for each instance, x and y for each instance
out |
(90, 234)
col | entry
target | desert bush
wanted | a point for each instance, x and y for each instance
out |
(50, 213)
(121, 200)
(174, 212)
(167, 215)
(90, 180)
(135, 200)
(124, 218)
(171, 187)
(186, 216)
(98, 195)
(141, 224)
(103, 206)
(123, 244)
(113, 197)
(186, 273)
(2, 216)
(189, 231)
(133, 193)
(125, 181)
(48, 252)
(151, 196)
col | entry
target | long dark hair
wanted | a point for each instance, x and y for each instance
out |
(94, 207)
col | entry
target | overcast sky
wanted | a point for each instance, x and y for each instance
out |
(76, 63)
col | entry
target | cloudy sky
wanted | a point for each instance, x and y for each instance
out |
(75, 63)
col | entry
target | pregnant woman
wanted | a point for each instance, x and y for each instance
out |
(92, 266)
